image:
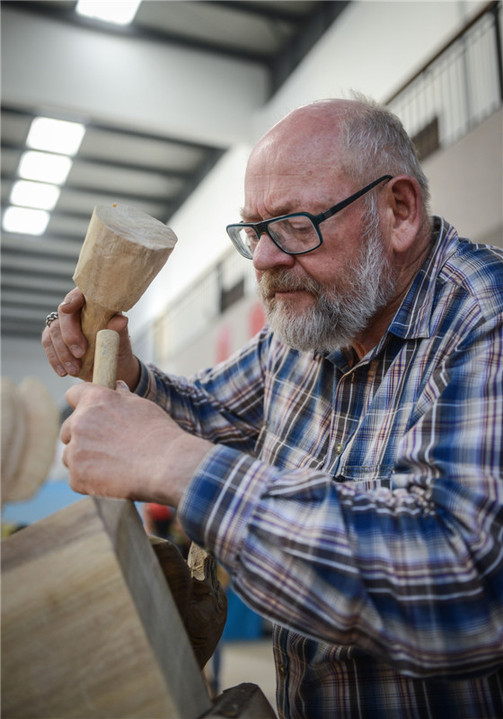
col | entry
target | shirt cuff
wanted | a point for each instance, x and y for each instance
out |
(146, 386)
(217, 506)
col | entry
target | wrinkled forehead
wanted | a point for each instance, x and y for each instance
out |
(305, 140)
(290, 169)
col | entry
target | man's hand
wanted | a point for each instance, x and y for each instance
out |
(121, 445)
(64, 343)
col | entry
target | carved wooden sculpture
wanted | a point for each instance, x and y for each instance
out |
(29, 428)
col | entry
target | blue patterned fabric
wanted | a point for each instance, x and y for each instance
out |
(358, 504)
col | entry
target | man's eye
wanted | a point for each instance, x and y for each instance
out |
(295, 228)
(251, 235)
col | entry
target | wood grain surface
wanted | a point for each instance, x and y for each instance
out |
(89, 627)
(124, 249)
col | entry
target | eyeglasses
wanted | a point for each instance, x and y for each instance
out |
(295, 234)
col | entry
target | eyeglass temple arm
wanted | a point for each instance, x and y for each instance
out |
(352, 198)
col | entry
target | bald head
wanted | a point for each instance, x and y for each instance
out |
(309, 135)
(358, 138)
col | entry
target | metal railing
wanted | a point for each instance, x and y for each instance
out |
(458, 88)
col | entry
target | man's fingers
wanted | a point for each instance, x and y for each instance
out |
(69, 312)
(57, 350)
(63, 340)
(118, 323)
(54, 360)
(72, 302)
(65, 433)
(65, 344)
(77, 392)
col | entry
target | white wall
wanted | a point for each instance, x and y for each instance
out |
(22, 357)
(466, 182)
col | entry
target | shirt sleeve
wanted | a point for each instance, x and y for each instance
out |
(412, 573)
(215, 404)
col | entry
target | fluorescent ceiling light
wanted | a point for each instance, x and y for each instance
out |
(55, 135)
(35, 194)
(120, 12)
(28, 222)
(44, 167)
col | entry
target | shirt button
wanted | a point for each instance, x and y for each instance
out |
(282, 670)
(338, 448)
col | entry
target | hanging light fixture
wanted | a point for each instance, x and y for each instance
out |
(120, 12)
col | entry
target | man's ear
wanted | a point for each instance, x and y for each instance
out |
(404, 210)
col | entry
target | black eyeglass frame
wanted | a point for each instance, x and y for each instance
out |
(262, 226)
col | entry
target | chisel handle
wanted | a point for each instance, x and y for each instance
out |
(105, 358)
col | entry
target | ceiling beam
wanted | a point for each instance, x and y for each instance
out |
(61, 13)
(312, 30)
(30, 244)
(28, 329)
(42, 283)
(47, 265)
(158, 88)
(113, 164)
(29, 298)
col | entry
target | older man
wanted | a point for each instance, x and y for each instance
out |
(346, 465)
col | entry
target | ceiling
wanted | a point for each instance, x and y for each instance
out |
(119, 164)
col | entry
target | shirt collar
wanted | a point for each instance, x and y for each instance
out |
(412, 319)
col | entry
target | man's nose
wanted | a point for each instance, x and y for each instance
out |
(267, 255)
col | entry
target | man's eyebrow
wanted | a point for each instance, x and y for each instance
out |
(249, 216)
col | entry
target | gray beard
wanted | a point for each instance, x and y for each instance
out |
(338, 315)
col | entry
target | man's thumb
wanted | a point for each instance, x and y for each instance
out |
(121, 386)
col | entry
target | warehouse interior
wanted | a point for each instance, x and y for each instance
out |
(170, 105)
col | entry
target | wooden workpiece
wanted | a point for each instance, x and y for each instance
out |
(89, 626)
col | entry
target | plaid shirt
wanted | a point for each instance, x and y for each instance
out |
(359, 504)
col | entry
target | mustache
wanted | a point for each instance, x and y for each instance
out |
(273, 281)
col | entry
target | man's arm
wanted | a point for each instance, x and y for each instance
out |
(224, 404)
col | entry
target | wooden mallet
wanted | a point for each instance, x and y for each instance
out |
(123, 251)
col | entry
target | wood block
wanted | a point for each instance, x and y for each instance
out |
(89, 627)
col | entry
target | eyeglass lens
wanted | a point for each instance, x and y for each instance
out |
(294, 234)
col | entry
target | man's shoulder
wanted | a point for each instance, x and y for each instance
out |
(476, 269)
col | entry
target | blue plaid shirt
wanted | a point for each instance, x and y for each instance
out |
(358, 504)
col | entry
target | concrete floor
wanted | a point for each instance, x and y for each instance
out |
(249, 661)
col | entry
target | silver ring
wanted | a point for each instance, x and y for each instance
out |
(50, 318)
